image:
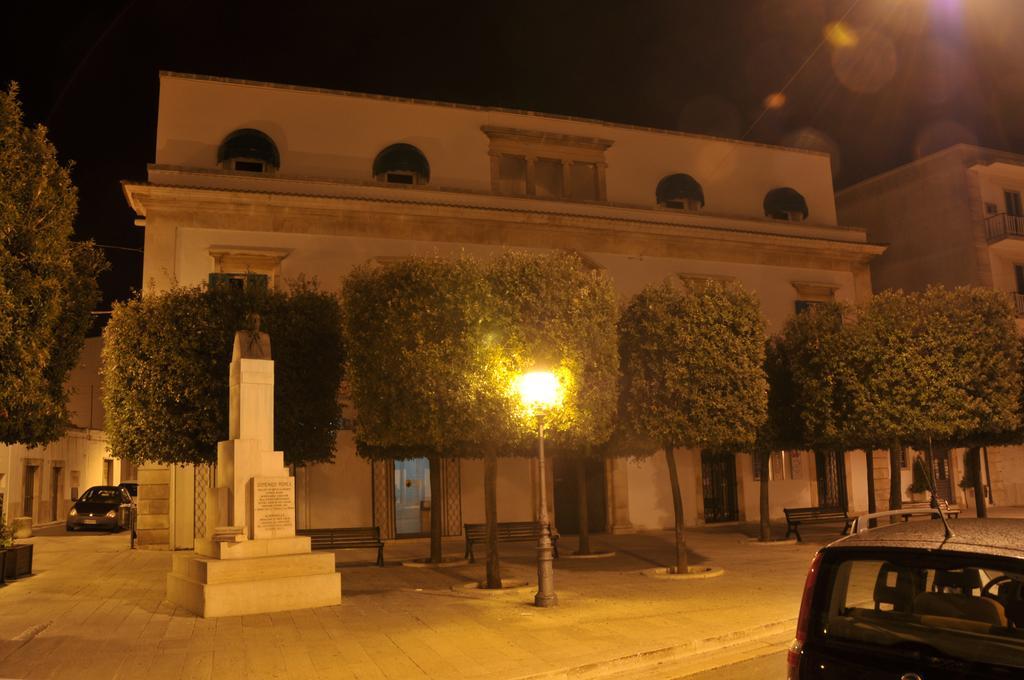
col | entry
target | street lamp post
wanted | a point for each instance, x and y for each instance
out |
(540, 393)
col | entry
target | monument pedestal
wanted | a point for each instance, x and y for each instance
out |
(264, 577)
(251, 561)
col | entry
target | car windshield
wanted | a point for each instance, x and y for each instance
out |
(101, 495)
(962, 609)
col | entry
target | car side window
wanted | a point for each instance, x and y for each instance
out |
(967, 611)
(125, 496)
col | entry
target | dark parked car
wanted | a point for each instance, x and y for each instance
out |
(131, 487)
(903, 601)
(102, 507)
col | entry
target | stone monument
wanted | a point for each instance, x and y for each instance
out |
(251, 561)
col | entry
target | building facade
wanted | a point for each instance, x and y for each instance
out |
(953, 218)
(42, 482)
(281, 181)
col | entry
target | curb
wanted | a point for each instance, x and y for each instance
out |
(641, 660)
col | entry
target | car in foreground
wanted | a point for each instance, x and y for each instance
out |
(906, 601)
(101, 507)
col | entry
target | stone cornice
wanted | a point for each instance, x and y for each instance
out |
(248, 183)
(447, 223)
(538, 137)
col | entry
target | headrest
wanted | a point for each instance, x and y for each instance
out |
(964, 580)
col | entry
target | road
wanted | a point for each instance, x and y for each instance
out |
(770, 667)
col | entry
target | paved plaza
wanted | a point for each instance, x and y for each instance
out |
(96, 609)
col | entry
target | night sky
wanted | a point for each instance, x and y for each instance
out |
(895, 80)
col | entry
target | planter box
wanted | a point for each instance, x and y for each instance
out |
(3, 563)
(18, 561)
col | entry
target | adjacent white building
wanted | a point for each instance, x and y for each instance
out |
(285, 181)
(955, 218)
(42, 482)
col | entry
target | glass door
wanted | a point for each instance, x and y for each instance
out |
(412, 497)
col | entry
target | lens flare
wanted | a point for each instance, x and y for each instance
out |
(840, 34)
(776, 100)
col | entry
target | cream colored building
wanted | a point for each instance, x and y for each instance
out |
(41, 482)
(953, 218)
(285, 181)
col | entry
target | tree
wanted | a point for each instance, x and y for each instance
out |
(782, 426)
(980, 341)
(812, 351)
(897, 366)
(435, 346)
(560, 315)
(693, 373)
(166, 358)
(47, 282)
(421, 351)
(934, 366)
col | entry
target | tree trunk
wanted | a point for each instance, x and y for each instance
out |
(869, 456)
(436, 510)
(763, 462)
(491, 517)
(682, 565)
(895, 478)
(973, 459)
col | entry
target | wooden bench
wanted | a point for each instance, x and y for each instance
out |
(345, 538)
(951, 511)
(508, 532)
(797, 516)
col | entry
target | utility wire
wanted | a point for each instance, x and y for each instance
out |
(103, 245)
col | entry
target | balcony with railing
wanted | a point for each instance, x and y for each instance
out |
(1002, 225)
(1017, 300)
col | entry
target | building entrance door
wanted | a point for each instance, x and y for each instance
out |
(56, 487)
(412, 497)
(940, 473)
(567, 506)
(108, 472)
(29, 504)
(718, 473)
(831, 469)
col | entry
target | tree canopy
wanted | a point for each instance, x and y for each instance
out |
(812, 392)
(47, 282)
(693, 365)
(165, 371)
(938, 365)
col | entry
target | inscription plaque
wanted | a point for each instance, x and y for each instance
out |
(273, 507)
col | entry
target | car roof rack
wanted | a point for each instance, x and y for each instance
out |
(861, 523)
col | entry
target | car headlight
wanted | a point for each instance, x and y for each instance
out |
(112, 514)
(72, 512)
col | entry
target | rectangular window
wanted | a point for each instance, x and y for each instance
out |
(584, 181)
(240, 280)
(1018, 273)
(547, 178)
(1013, 203)
(249, 166)
(512, 175)
(804, 305)
(400, 178)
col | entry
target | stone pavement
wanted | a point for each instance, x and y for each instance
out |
(95, 609)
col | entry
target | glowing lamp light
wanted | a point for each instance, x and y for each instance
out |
(539, 391)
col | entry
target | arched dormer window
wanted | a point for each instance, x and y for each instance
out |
(680, 191)
(785, 203)
(248, 150)
(401, 164)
